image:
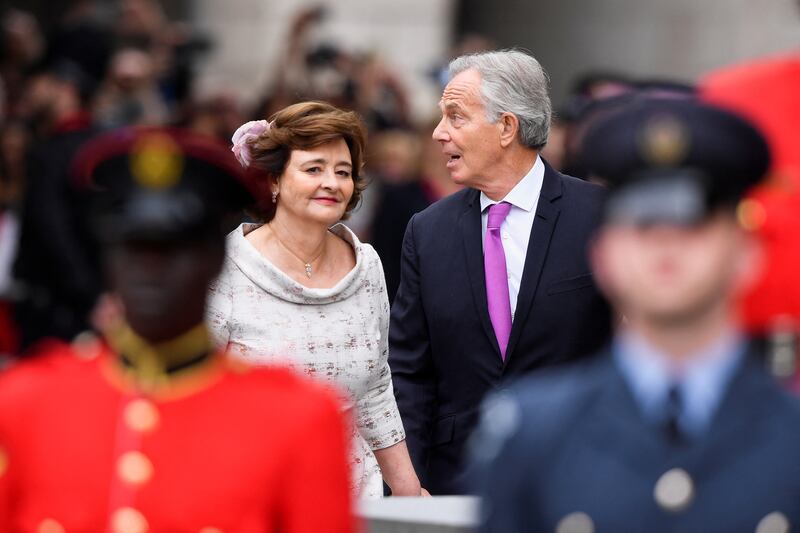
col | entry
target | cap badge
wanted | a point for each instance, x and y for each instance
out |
(156, 161)
(664, 141)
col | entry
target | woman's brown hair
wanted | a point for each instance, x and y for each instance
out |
(301, 127)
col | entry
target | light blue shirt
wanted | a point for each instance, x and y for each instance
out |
(701, 378)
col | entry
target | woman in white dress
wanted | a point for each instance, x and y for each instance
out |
(300, 289)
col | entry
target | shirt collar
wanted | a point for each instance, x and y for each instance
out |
(525, 193)
(702, 381)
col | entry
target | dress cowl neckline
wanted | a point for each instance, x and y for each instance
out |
(271, 279)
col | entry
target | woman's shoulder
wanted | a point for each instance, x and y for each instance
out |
(236, 238)
(363, 250)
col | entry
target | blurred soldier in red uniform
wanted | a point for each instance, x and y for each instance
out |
(767, 92)
(150, 429)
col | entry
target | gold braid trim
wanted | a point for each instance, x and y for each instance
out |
(151, 365)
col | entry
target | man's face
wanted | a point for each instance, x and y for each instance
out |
(469, 141)
(664, 274)
(162, 286)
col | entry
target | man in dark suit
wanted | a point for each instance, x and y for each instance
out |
(495, 281)
(678, 427)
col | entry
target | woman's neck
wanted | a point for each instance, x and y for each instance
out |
(304, 239)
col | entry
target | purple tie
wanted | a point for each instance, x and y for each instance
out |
(494, 265)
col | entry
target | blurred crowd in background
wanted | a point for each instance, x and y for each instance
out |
(109, 64)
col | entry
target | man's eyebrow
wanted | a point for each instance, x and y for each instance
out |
(450, 105)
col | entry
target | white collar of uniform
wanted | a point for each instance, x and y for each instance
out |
(525, 194)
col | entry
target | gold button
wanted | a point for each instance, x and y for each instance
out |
(210, 530)
(86, 346)
(141, 415)
(128, 520)
(674, 490)
(774, 523)
(575, 523)
(50, 526)
(3, 462)
(134, 468)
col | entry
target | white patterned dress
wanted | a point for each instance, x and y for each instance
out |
(339, 335)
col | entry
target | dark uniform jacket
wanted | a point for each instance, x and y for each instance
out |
(570, 449)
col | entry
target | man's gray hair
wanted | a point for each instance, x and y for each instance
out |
(512, 82)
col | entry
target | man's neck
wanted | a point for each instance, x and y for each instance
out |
(509, 172)
(679, 340)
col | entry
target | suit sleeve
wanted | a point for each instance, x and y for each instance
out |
(410, 355)
(316, 495)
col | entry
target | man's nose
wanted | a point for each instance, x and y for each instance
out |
(440, 132)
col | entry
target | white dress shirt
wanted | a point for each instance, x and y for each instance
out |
(516, 228)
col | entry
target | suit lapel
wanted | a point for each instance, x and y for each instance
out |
(470, 224)
(538, 245)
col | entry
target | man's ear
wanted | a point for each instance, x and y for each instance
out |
(509, 129)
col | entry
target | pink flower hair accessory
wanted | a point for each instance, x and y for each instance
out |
(247, 132)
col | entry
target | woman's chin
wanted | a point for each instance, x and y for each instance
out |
(327, 217)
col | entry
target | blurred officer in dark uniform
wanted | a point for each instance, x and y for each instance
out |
(150, 429)
(678, 427)
(57, 270)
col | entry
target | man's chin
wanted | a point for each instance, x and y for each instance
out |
(458, 179)
(671, 316)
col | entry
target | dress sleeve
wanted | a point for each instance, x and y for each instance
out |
(219, 307)
(378, 418)
(316, 495)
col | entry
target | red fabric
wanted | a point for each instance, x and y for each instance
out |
(768, 93)
(76, 122)
(241, 450)
(9, 335)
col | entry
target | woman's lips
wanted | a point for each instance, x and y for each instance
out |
(327, 201)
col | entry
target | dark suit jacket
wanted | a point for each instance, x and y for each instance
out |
(444, 354)
(58, 261)
(579, 444)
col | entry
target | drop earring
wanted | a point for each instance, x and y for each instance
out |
(274, 197)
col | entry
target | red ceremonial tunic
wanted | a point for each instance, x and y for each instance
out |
(220, 447)
(767, 91)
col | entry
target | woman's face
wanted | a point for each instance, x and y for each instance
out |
(317, 184)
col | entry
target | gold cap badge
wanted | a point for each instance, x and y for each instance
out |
(156, 161)
(664, 141)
